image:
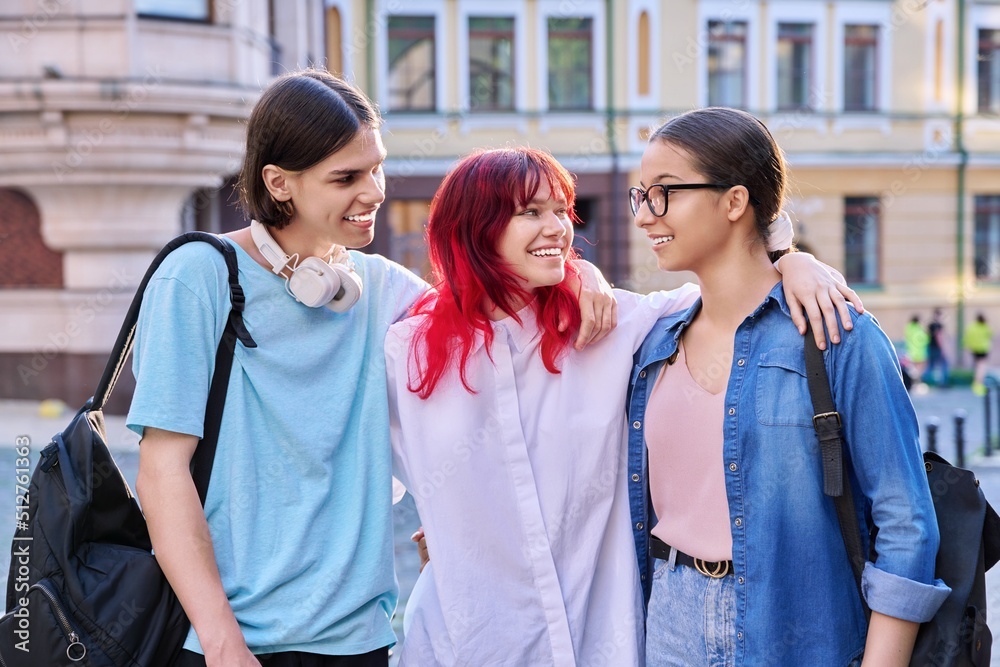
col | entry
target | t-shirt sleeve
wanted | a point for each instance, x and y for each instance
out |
(173, 358)
(396, 353)
(406, 289)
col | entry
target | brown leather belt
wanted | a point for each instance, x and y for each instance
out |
(715, 570)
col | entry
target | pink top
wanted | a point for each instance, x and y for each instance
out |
(686, 475)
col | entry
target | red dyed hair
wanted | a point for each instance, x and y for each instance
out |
(468, 216)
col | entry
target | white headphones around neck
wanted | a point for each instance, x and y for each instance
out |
(314, 282)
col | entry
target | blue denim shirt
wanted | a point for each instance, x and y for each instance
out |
(797, 603)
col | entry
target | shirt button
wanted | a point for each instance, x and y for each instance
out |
(739, 635)
(642, 374)
(644, 577)
(636, 424)
(638, 526)
(741, 362)
(740, 580)
(732, 411)
(733, 467)
(635, 477)
(738, 522)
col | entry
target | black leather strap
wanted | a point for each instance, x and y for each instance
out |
(828, 424)
(235, 330)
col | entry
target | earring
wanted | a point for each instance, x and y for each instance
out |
(285, 208)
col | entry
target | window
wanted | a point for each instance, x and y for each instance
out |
(491, 64)
(727, 63)
(645, 59)
(585, 232)
(571, 56)
(407, 220)
(989, 71)
(795, 57)
(192, 10)
(411, 63)
(987, 237)
(860, 62)
(861, 240)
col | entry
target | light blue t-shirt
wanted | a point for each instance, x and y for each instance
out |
(299, 504)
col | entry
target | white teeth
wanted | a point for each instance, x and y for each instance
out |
(367, 217)
(546, 252)
(662, 239)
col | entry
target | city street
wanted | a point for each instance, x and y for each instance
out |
(21, 418)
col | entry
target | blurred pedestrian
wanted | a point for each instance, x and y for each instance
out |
(916, 345)
(936, 359)
(978, 338)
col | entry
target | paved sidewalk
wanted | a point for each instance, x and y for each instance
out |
(21, 418)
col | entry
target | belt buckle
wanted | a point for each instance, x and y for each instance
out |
(720, 570)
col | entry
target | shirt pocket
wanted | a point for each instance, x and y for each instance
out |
(782, 396)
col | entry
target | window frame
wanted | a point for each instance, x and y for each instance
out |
(420, 34)
(592, 9)
(580, 35)
(467, 57)
(858, 205)
(875, 43)
(384, 9)
(808, 104)
(743, 41)
(990, 109)
(986, 205)
(208, 18)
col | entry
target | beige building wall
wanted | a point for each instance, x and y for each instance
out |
(109, 122)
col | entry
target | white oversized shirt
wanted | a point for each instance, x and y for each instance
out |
(522, 493)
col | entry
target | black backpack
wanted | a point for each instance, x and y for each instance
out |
(957, 636)
(84, 587)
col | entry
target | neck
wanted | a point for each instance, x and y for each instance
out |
(733, 284)
(495, 313)
(294, 241)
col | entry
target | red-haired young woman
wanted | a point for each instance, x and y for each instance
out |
(513, 445)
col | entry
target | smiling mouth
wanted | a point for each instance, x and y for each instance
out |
(364, 217)
(546, 252)
(660, 240)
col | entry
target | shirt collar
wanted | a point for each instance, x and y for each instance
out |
(668, 331)
(520, 335)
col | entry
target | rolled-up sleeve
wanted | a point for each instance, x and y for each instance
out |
(902, 598)
(880, 427)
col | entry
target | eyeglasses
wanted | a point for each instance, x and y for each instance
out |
(656, 197)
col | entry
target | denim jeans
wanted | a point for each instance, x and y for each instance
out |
(691, 620)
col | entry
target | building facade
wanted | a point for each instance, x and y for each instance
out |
(121, 126)
(113, 113)
(889, 113)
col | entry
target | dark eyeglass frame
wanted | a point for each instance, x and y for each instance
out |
(637, 195)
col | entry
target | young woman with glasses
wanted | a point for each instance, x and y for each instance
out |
(512, 445)
(740, 553)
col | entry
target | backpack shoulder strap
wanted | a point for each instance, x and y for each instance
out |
(235, 330)
(836, 484)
